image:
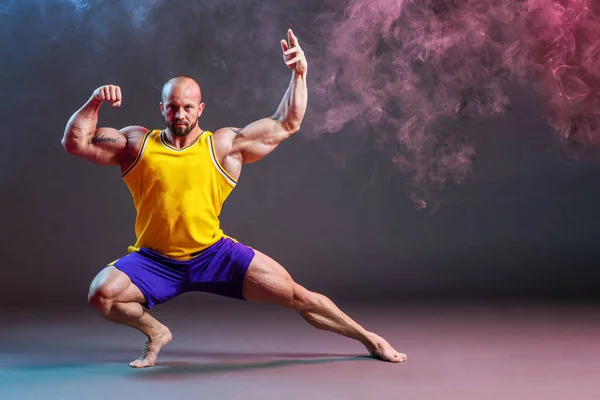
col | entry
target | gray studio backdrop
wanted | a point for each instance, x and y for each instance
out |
(331, 208)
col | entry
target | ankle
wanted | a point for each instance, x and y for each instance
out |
(368, 339)
(159, 332)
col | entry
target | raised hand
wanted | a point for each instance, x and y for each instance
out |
(293, 55)
(110, 94)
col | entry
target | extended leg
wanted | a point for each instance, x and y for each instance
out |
(268, 281)
(118, 300)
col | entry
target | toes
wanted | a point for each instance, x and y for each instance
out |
(398, 358)
(139, 364)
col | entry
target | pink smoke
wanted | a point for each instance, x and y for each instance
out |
(404, 69)
(563, 41)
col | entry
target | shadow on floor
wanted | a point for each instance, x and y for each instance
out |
(65, 365)
(180, 369)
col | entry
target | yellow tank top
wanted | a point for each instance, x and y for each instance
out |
(178, 195)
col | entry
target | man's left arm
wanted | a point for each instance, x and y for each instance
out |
(258, 139)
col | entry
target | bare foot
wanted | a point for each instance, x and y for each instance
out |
(380, 348)
(153, 345)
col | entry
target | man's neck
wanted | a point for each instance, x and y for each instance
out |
(182, 141)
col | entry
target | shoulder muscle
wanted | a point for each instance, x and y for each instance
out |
(225, 148)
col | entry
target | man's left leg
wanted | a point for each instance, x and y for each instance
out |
(267, 281)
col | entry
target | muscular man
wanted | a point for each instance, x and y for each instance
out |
(179, 178)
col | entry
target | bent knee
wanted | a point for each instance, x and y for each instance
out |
(99, 298)
(112, 285)
(103, 289)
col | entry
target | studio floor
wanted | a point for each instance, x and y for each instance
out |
(233, 350)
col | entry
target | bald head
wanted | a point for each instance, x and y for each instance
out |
(182, 86)
(181, 105)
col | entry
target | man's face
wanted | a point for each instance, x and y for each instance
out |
(181, 111)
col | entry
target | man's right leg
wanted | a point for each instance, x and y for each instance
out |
(118, 300)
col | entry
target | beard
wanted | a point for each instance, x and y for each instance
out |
(181, 131)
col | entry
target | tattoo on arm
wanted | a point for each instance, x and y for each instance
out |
(102, 139)
(236, 130)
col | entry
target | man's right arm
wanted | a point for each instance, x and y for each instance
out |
(103, 146)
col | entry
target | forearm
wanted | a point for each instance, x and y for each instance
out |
(82, 125)
(292, 108)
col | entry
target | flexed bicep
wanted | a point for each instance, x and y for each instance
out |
(103, 146)
(107, 146)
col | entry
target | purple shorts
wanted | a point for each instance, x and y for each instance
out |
(219, 269)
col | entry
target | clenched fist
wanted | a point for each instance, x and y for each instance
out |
(109, 93)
